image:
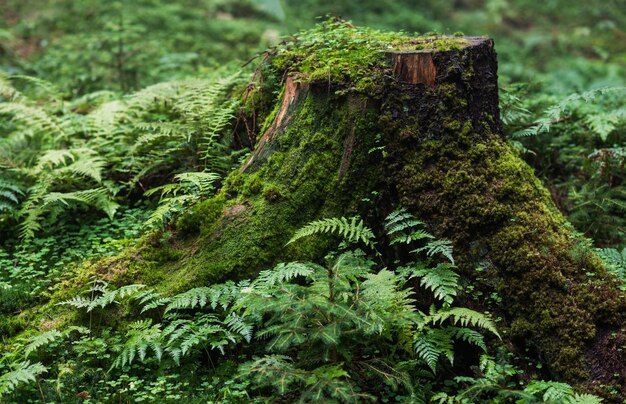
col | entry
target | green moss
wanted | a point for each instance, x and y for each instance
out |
(476, 191)
(348, 57)
(274, 192)
(202, 216)
(452, 170)
(316, 168)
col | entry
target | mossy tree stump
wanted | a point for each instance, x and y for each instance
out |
(416, 124)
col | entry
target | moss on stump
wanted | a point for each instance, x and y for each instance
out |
(367, 122)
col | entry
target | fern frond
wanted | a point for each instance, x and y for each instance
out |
(583, 399)
(432, 344)
(22, 373)
(403, 227)
(51, 91)
(52, 158)
(40, 340)
(615, 260)
(78, 302)
(441, 280)
(553, 392)
(222, 295)
(443, 247)
(239, 325)
(97, 197)
(352, 230)
(142, 337)
(34, 120)
(285, 272)
(462, 316)
(150, 299)
(110, 296)
(470, 336)
(168, 207)
(86, 164)
(10, 194)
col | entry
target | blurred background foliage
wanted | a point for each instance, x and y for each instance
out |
(548, 52)
(119, 108)
(90, 45)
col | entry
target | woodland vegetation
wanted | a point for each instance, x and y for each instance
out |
(244, 201)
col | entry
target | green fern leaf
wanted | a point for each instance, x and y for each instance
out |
(352, 230)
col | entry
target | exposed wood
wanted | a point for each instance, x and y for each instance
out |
(414, 67)
(291, 93)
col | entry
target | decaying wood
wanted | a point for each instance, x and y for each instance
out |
(414, 67)
(292, 92)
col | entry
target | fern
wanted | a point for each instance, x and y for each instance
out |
(577, 398)
(468, 335)
(432, 344)
(351, 230)
(282, 273)
(22, 373)
(615, 261)
(205, 330)
(461, 316)
(553, 392)
(149, 299)
(443, 247)
(143, 337)
(10, 195)
(190, 189)
(434, 339)
(102, 296)
(222, 295)
(601, 122)
(109, 296)
(441, 280)
(61, 166)
(41, 340)
(98, 198)
(404, 228)
(239, 325)
(36, 122)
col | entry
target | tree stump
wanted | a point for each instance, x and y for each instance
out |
(429, 139)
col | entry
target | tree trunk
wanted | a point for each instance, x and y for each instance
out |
(430, 140)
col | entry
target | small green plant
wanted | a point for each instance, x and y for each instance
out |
(327, 331)
(497, 383)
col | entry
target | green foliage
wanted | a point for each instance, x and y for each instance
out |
(576, 143)
(93, 45)
(615, 261)
(404, 227)
(41, 340)
(324, 331)
(101, 295)
(496, 383)
(10, 193)
(215, 296)
(441, 280)
(29, 269)
(601, 122)
(76, 160)
(20, 373)
(346, 57)
(352, 230)
(68, 160)
(191, 189)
